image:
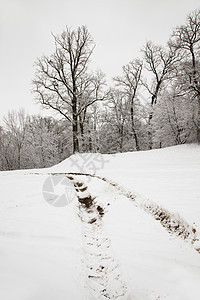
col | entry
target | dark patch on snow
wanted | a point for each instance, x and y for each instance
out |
(78, 184)
(100, 210)
(86, 201)
(92, 221)
(83, 189)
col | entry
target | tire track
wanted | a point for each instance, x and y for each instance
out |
(172, 222)
(103, 276)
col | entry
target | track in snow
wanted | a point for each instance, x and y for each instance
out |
(172, 222)
(103, 276)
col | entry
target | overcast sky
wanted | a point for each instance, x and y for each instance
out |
(119, 28)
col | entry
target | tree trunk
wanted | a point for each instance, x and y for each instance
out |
(136, 139)
(150, 129)
(82, 148)
(133, 128)
(121, 133)
(19, 158)
(75, 127)
(198, 121)
(74, 115)
(75, 135)
(90, 141)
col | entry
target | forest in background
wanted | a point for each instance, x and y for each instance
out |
(153, 103)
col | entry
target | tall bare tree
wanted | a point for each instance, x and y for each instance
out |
(61, 81)
(93, 91)
(186, 40)
(161, 64)
(130, 82)
(118, 118)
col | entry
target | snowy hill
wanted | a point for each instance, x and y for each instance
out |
(115, 247)
(168, 176)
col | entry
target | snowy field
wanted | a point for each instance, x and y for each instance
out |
(74, 252)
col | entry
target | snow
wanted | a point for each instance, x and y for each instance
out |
(155, 263)
(40, 248)
(44, 252)
(169, 176)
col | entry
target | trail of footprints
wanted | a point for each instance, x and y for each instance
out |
(103, 277)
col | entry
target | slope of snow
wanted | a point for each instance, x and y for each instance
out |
(44, 252)
(169, 177)
(40, 245)
(155, 264)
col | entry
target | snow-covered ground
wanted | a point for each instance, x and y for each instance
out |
(169, 176)
(40, 245)
(73, 252)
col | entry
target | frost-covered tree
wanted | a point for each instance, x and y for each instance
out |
(160, 63)
(186, 40)
(129, 82)
(173, 122)
(62, 81)
(89, 113)
(33, 141)
(7, 152)
(16, 129)
(42, 142)
(117, 118)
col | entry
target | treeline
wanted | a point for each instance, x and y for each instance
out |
(154, 102)
(32, 141)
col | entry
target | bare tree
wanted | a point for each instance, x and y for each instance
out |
(6, 161)
(16, 125)
(118, 118)
(161, 64)
(130, 82)
(61, 80)
(87, 102)
(173, 119)
(186, 40)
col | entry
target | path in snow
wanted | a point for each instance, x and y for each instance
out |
(103, 276)
(116, 228)
(152, 263)
(172, 222)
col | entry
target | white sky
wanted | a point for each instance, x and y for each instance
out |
(119, 28)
